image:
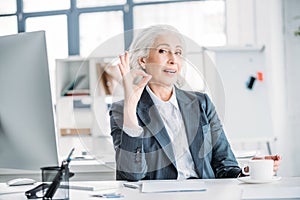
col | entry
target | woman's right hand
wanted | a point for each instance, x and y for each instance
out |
(132, 91)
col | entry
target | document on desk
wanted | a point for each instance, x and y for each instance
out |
(173, 186)
(5, 189)
(271, 193)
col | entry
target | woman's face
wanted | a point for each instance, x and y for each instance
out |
(165, 60)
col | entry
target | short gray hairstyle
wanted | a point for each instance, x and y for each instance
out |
(141, 44)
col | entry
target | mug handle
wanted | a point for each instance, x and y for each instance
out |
(243, 170)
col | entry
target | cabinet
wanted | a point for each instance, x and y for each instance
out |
(84, 89)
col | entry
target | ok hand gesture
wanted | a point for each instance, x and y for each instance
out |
(132, 90)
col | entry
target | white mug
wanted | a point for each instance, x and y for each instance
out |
(260, 169)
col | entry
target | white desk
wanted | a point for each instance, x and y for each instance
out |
(93, 170)
(224, 189)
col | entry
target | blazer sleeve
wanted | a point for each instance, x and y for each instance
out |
(130, 156)
(223, 160)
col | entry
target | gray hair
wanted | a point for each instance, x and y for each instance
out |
(141, 44)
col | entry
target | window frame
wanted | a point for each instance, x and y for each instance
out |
(73, 18)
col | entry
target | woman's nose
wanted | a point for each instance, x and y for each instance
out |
(172, 58)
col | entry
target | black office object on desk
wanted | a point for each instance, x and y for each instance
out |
(61, 174)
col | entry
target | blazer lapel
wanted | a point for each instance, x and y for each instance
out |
(149, 115)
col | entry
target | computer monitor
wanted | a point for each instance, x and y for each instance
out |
(27, 127)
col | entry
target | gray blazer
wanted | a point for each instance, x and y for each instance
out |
(151, 156)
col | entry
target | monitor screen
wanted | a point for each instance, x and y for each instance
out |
(27, 127)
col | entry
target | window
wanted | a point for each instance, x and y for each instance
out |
(94, 3)
(96, 28)
(8, 20)
(142, 1)
(8, 7)
(10, 24)
(56, 38)
(204, 21)
(56, 34)
(45, 5)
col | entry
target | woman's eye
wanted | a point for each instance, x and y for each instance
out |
(179, 53)
(162, 51)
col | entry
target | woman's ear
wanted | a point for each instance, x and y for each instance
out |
(142, 62)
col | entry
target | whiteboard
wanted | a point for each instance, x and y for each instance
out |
(247, 111)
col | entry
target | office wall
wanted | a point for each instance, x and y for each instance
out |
(291, 17)
(276, 21)
(271, 23)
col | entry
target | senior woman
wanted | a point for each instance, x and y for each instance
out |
(158, 130)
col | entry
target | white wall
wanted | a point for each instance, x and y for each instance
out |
(269, 26)
(270, 22)
(291, 147)
(240, 22)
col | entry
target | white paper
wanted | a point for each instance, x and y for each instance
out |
(271, 193)
(173, 186)
(5, 189)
